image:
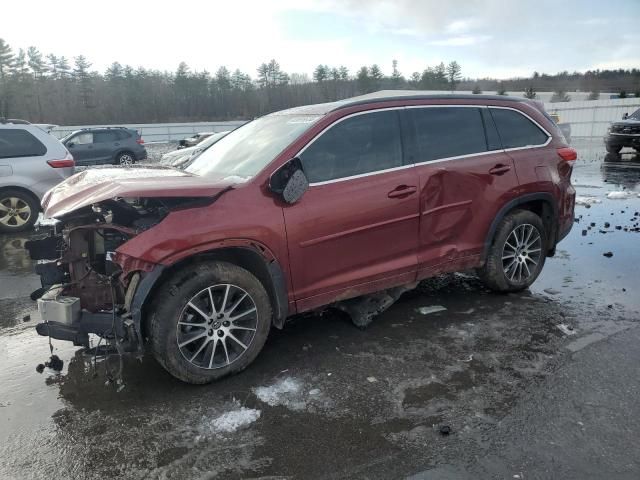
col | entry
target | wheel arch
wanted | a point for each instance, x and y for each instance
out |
(542, 204)
(24, 190)
(267, 270)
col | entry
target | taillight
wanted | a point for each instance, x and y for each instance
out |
(568, 154)
(140, 141)
(65, 162)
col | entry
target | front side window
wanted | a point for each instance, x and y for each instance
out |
(516, 130)
(19, 143)
(444, 132)
(360, 144)
(83, 138)
(248, 149)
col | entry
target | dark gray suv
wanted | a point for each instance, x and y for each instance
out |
(113, 145)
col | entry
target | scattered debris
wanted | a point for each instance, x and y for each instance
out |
(566, 329)
(608, 254)
(235, 419)
(607, 224)
(54, 363)
(26, 318)
(314, 391)
(445, 430)
(584, 233)
(431, 309)
(40, 368)
(468, 359)
(372, 379)
(363, 309)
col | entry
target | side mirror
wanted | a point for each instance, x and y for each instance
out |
(289, 182)
(625, 116)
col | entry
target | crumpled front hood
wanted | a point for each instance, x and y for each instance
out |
(97, 184)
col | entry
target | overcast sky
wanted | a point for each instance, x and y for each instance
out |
(496, 38)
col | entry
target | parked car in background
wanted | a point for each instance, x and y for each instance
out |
(345, 204)
(31, 162)
(179, 158)
(106, 145)
(624, 133)
(194, 139)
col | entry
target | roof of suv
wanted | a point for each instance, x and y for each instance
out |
(389, 96)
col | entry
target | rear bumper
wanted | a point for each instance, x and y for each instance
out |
(141, 155)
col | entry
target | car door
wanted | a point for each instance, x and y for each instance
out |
(355, 230)
(104, 145)
(81, 147)
(465, 178)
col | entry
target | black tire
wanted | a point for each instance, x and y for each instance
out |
(125, 158)
(493, 272)
(613, 148)
(18, 210)
(170, 306)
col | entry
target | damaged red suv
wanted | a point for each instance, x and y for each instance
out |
(343, 204)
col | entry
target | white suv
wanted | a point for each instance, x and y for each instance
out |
(31, 162)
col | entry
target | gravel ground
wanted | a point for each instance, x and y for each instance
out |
(539, 384)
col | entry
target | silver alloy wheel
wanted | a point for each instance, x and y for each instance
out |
(14, 212)
(216, 327)
(521, 253)
(126, 159)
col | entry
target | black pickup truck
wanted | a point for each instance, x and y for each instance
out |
(625, 133)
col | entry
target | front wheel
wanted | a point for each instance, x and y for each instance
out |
(209, 321)
(517, 253)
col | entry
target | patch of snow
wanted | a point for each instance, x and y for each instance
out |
(286, 392)
(621, 195)
(587, 200)
(372, 379)
(314, 391)
(235, 419)
(431, 309)
(564, 328)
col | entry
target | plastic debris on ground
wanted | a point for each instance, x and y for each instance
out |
(231, 421)
(431, 309)
(372, 379)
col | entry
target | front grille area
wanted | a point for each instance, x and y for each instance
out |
(626, 129)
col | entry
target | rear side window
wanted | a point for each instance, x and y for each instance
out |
(516, 130)
(443, 132)
(355, 146)
(82, 138)
(19, 143)
(105, 137)
(122, 134)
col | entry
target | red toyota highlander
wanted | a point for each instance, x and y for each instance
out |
(344, 204)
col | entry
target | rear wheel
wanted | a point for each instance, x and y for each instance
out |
(209, 322)
(18, 211)
(125, 158)
(517, 253)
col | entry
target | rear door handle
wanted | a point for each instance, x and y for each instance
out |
(402, 191)
(500, 169)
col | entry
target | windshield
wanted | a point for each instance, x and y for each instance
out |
(635, 115)
(248, 149)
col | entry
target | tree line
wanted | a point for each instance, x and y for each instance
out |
(53, 89)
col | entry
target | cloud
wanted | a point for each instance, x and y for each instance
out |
(461, 41)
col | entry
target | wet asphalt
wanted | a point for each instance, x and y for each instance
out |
(539, 384)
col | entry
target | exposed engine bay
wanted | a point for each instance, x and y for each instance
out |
(84, 290)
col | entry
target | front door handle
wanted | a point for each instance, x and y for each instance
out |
(500, 169)
(402, 191)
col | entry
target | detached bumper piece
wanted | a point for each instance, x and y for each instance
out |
(64, 320)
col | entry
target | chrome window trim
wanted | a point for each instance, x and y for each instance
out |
(439, 160)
